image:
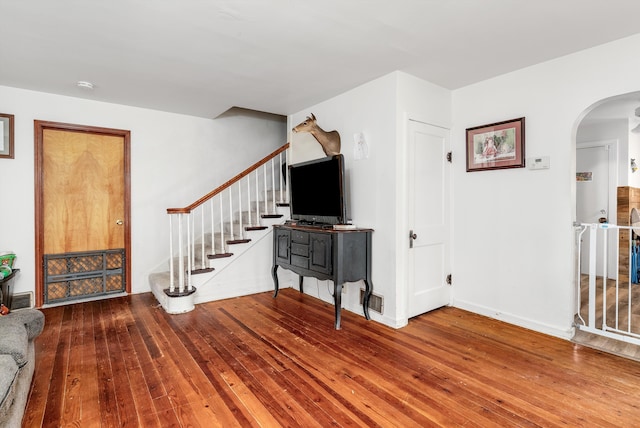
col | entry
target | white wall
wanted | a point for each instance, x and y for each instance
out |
(377, 109)
(513, 235)
(175, 159)
(368, 109)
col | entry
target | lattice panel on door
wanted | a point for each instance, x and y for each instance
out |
(115, 283)
(73, 276)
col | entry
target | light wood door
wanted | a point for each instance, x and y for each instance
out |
(83, 191)
(82, 185)
(428, 179)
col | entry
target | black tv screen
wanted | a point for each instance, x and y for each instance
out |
(317, 190)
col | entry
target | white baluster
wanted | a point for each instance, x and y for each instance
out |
(273, 186)
(286, 185)
(203, 256)
(249, 216)
(240, 229)
(257, 198)
(280, 184)
(222, 249)
(189, 253)
(213, 228)
(172, 284)
(264, 169)
(231, 216)
(180, 252)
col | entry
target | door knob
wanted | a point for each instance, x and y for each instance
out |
(603, 216)
(412, 236)
(119, 222)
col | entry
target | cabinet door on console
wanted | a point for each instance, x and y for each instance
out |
(320, 250)
(281, 243)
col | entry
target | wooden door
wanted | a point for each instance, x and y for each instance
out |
(82, 208)
(428, 212)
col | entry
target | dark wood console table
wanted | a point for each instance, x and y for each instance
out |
(326, 254)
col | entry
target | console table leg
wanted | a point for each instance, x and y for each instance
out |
(365, 300)
(275, 279)
(337, 301)
(300, 283)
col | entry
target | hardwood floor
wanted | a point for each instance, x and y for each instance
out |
(264, 362)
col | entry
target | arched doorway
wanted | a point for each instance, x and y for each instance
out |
(607, 188)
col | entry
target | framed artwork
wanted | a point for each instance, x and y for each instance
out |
(6, 132)
(496, 146)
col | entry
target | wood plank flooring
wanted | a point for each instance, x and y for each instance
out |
(263, 362)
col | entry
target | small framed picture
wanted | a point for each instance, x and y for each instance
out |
(6, 132)
(496, 146)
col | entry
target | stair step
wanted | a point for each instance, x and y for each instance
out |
(282, 204)
(218, 256)
(238, 241)
(177, 293)
(205, 270)
(250, 228)
(271, 215)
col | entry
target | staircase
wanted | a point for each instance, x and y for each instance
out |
(208, 236)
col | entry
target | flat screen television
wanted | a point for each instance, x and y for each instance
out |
(317, 191)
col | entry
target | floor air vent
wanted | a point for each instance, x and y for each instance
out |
(21, 301)
(376, 302)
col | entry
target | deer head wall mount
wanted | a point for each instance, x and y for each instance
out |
(330, 141)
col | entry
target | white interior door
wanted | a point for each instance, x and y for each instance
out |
(428, 183)
(595, 187)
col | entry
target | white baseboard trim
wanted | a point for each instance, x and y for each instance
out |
(227, 290)
(552, 330)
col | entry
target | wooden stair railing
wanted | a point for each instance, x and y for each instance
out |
(218, 219)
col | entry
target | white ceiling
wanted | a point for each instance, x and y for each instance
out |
(202, 57)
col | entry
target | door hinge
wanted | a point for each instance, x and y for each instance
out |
(449, 157)
(448, 279)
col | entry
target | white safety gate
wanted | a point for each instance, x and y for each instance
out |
(608, 296)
